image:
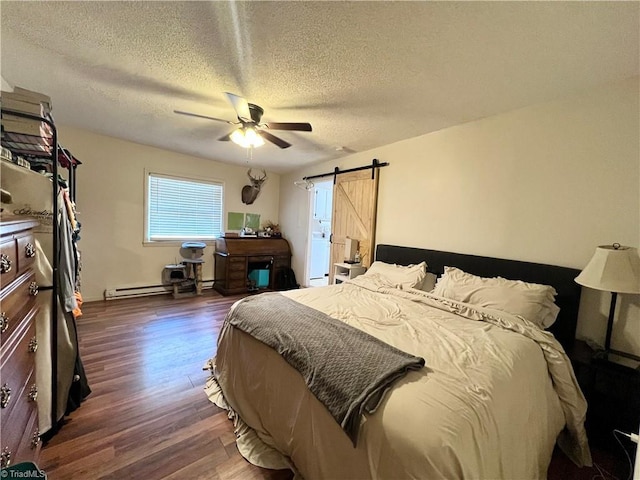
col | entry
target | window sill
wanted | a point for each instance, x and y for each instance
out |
(174, 243)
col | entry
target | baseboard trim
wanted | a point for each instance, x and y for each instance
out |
(145, 290)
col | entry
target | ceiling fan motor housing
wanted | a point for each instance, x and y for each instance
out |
(250, 124)
(256, 112)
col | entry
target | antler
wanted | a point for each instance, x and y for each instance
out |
(256, 179)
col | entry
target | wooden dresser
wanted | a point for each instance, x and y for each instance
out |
(237, 257)
(20, 439)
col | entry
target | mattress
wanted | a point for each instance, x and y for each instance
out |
(494, 397)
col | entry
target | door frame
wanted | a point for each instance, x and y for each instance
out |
(307, 263)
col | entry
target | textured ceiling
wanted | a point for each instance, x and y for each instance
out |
(364, 74)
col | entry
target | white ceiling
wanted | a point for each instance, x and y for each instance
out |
(364, 74)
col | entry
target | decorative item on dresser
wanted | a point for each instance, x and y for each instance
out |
(20, 439)
(240, 261)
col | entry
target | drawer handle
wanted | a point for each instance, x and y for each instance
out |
(4, 322)
(5, 457)
(33, 289)
(33, 393)
(30, 250)
(33, 345)
(5, 263)
(5, 395)
(35, 439)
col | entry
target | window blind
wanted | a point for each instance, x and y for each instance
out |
(182, 209)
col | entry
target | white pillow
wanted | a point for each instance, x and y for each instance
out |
(400, 276)
(429, 282)
(532, 301)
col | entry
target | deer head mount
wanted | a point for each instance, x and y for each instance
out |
(250, 192)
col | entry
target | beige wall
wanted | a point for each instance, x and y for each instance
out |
(546, 183)
(110, 202)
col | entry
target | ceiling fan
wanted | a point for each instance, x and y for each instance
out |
(251, 132)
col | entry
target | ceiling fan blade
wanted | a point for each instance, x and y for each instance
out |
(202, 116)
(301, 127)
(273, 139)
(241, 107)
(226, 138)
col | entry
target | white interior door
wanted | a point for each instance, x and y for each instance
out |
(318, 260)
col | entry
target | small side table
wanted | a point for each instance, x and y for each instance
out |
(612, 392)
(346, 271)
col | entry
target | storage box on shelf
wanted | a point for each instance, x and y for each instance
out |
(26, 122)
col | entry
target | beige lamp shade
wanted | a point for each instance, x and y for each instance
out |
(613, 268)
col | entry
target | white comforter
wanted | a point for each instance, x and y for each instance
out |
(493, 398)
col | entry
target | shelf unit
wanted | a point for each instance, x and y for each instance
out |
(346, 271)
(44, 149)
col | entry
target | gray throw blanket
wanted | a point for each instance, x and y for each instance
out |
(347, 370)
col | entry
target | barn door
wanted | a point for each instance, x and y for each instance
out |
(355, 197)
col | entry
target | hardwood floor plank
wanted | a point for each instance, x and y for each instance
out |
(148, 415)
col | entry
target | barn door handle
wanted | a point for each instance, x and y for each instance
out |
(331, 238)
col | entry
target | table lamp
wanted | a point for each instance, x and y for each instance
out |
(616, 269)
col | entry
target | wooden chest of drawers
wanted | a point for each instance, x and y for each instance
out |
(235, 258)
(20, 440)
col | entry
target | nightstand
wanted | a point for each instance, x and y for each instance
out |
(612, 392)
(346, 271)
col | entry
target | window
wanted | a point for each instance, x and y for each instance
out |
(183, 208)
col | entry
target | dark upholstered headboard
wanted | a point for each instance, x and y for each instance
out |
(560, 278)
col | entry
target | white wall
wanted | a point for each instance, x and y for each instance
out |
(546, 183)
(110, 202)
(5, 85)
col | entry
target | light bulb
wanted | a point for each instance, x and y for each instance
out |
(246, 137)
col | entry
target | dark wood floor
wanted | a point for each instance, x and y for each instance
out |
(148, 416)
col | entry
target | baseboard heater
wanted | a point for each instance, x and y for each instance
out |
(145, 291)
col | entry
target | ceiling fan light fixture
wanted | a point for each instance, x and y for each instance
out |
(246, 137)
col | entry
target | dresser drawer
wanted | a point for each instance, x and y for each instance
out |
(237, 275)
(26, 251)
(238, 283)
(21, 438)
(20, 414)
(237, 264)
(15, 301)
(261, 259)
(8, 261)
(17, 363)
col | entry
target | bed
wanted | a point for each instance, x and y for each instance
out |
(495, 395)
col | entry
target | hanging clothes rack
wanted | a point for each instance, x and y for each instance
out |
(40, 147)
